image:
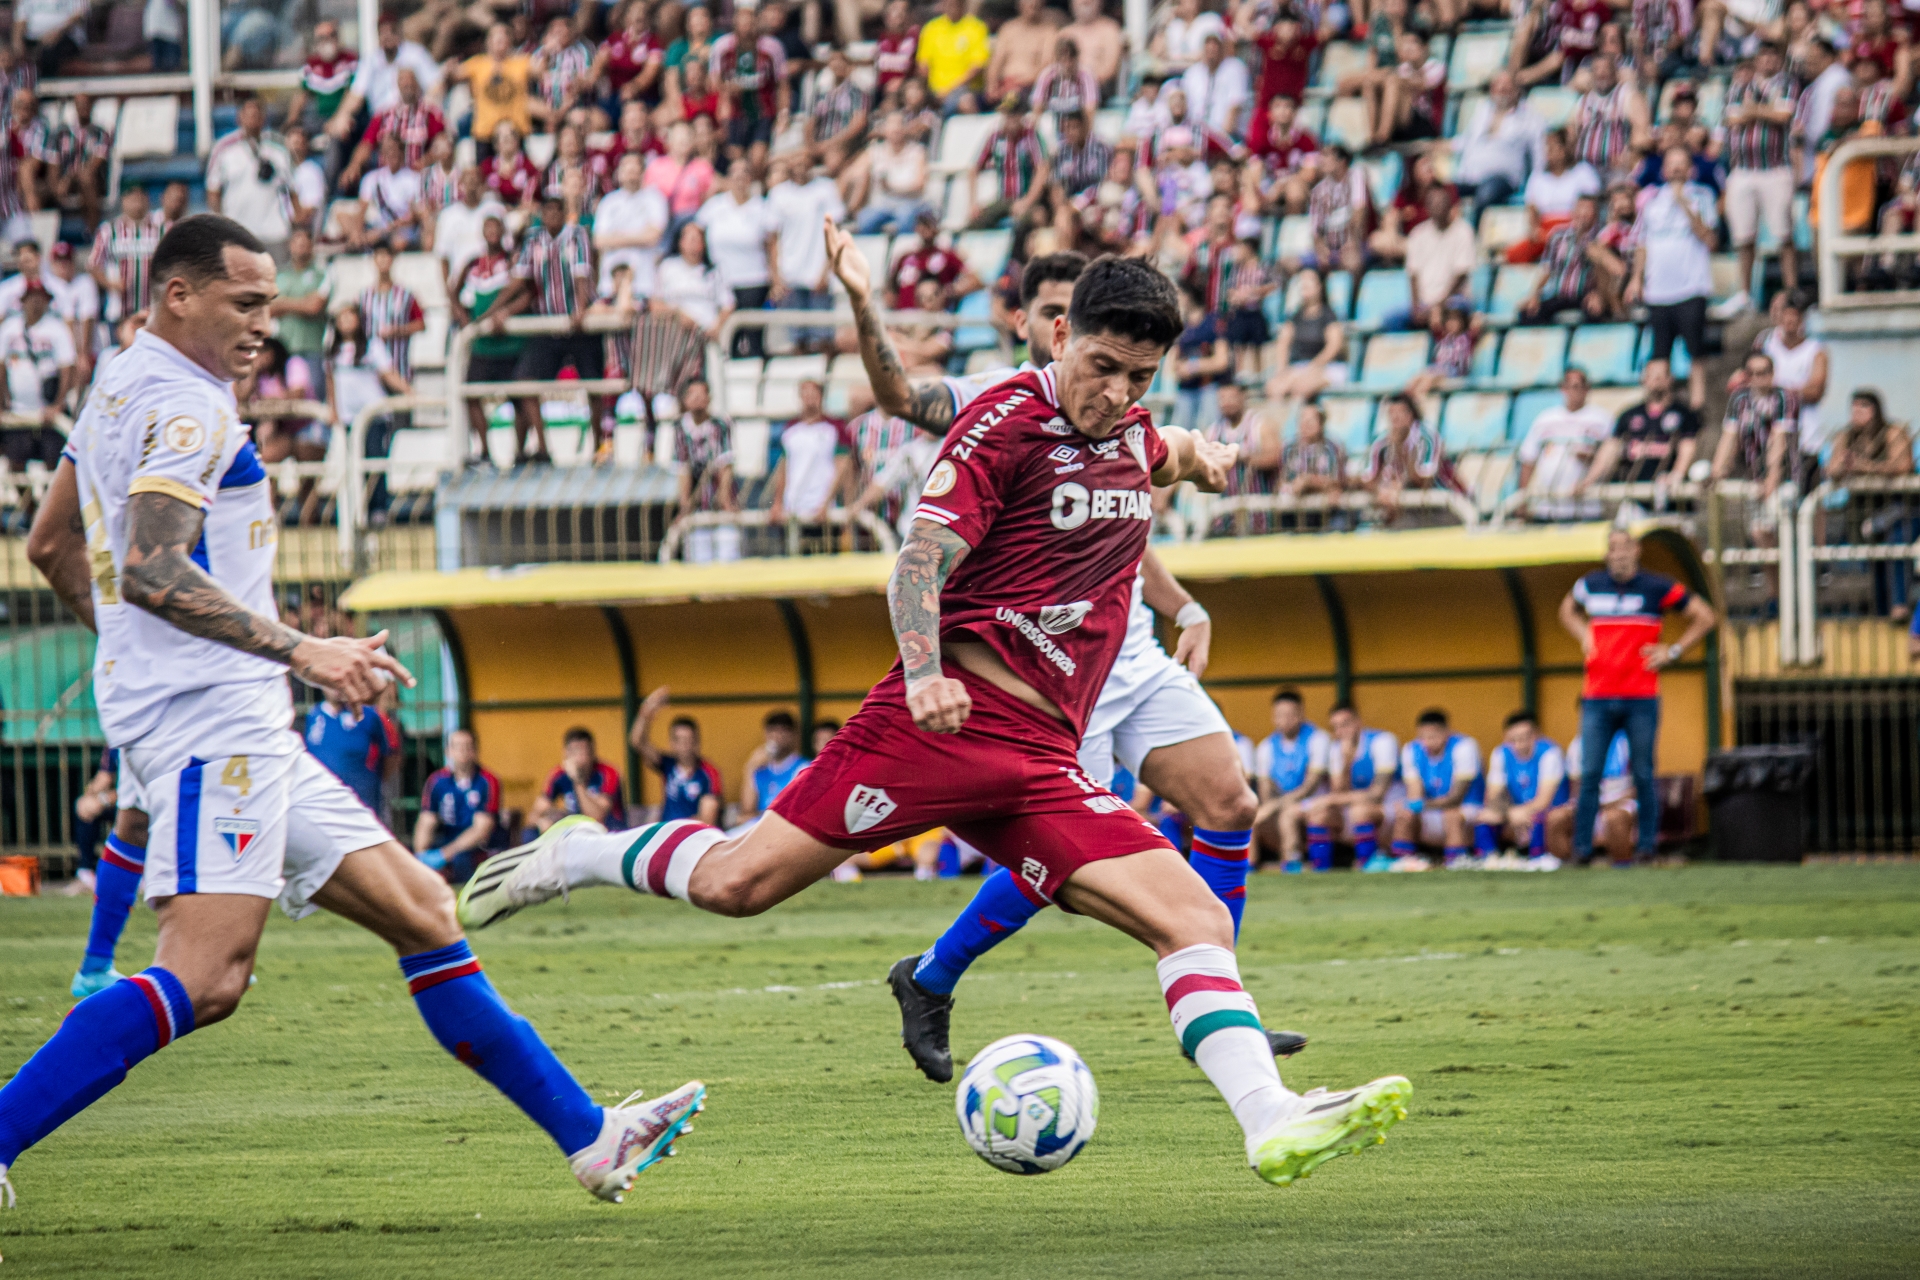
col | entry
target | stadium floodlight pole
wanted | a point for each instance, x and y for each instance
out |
(203, 63)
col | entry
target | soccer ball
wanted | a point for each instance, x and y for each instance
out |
(1027, 1104)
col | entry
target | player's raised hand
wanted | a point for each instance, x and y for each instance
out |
(350, 670)
(1212, 461)
(848, 262)
(939, 704)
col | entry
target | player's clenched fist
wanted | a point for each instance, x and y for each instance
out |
(939, 704)
(349, 670)
(1212, 461)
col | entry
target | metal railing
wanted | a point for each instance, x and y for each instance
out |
(1877, 520)
(1835, 246)
(1206, 512)
(795, 530)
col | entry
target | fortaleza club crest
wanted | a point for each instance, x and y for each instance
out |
(238, 833)
(867, 807)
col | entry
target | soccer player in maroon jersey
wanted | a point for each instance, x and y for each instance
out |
(1009, 602)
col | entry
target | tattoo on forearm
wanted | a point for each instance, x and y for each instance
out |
(926, 562)
(928, 405)
(160, 577)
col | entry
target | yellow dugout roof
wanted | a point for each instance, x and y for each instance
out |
(1278, 555)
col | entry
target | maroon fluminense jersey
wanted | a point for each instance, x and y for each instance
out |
(1057, 524)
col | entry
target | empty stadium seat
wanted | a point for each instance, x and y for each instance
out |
(976, 337)
(1480, 284)
(875, 250)
(1295, 238)
(1110, 125)
(984, 251)
(1615, 400)
(1529, 405)
(1381, 294)
(1552, 104)
(780, 398)
(961, 138)
(794, 368)
(1476, 56)
(1474, 420)
(1350, 422)
(1312, 116)
(1483, 475)
(1346, 124)
(1605, 351)
(1726, 274)
(1340, 293)
(1392, 359)
(1383, 177)
(1340, 59)
(1501, 227)
(1486, 359)
(1532, 357)
(148, 127)
(1511, 285)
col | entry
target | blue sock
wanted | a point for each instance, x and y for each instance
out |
(1485, 838)
(98, 1043)
(1320, 847)
(1404, 849)
(997, 912)
(1364, 844)
(116, 882)
(471, 1022)
(1455, 851)
(1221, 859)
(1537, 838)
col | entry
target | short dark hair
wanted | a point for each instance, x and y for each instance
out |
(1290, 695)
(779, 720)
(1799, 300)
(1128, 298)
(1522, 716)
(1432, 715)
(1066, 266)
(196, 248)
(579, 733)
(1346, 705)
(684, 722)
(830, 725)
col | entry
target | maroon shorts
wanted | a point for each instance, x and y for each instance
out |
(1009, 783)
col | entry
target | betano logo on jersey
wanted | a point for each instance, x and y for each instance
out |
(1075, 504)
(238, 833)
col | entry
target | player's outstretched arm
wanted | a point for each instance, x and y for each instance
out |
(1191, 456)
(927, 404)
(160, 577)
(931, 554)
(57, 544)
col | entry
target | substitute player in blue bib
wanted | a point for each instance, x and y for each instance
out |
(459, 811)
(1362, 766)
(1440, 770)
(1526, 778)
(1289, 768)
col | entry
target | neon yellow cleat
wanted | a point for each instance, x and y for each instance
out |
(1328, 1125)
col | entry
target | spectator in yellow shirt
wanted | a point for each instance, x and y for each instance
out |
(500, 79)
(954, 49)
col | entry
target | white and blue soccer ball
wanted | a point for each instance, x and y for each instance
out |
(1027, 1104)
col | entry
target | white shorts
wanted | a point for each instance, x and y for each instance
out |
(127, 789)
(267, 826)
(1757, 197)
(1167, 708)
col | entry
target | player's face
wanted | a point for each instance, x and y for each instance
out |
(1102, 375)
(1049, 304)
(782, 741)
(578, 754)
(686, 743)
(460, 751)
(225, 320)
(1286, 717)
(1521, 738)
(1623, 556)
(1344, 724)
(1432, 738)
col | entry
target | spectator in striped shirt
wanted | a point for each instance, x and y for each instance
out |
(1014, 153)
(1610, 122)
(1757, 117)
(391, 314)
(553, 276)
(123, 249)
(750, 72)
(1312, 464)
(837, 125)
(68, 161)
(1257, 472)
(411, 119)
(1568, 281)
(1081, 166)
(1065, 88)
(1758, 440)
(1340, 215)
(703, 455)
(560, 67)
(1406, 457)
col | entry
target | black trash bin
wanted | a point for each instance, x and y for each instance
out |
(1757, 798)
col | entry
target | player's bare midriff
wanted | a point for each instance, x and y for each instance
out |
(980, 659)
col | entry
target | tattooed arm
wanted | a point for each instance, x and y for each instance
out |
(931, 554)
(159, 575)
(927, 404)
(57, 544)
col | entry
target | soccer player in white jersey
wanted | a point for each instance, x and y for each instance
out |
(190, 678)
(1152, 716)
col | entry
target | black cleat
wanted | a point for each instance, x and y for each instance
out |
(1286, 1043)
(923, 1021)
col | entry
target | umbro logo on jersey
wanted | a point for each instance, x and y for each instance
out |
(239, 833)
(1063, 453)
(867, 807)
(1056, 618)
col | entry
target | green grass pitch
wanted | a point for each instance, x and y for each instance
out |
(1704, 1072)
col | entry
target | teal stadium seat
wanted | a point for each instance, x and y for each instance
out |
(1393, 359)
(1381, 294)
(1682, 358)
(1511, 285)
(1486, 359)
(1340, 293)
(985, 252)
(975, 337)
(1552, 104)
(1532, 357)
(1350, 422)
(1605, 351)
(1529, 405)
(1474, 420)
(1476, 56)
(1384, 173)
(1295, 239)
(1479, 285)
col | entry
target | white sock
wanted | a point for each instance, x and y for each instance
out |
(658, 858)
(589, 858)
(1215, 1020)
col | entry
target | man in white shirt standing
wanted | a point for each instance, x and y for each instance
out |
(37, 347)
(815, 462)
(248, 175)
(1217, 89)
(1673, 266)
(78, 304)
(1441, 255)
(457, 233)
(1558, 449)
(628, 227)
(799, 207)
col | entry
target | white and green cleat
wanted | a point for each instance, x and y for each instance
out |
(523, 876)
(635, 1136)
(1328, 1125)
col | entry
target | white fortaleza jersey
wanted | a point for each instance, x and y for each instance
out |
(156, 422)
(1140, 653)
